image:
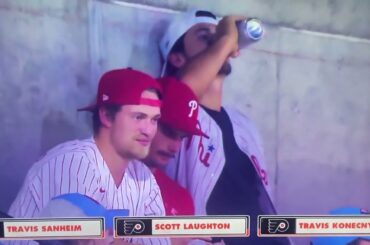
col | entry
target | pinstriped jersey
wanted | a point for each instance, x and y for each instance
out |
(78, 167)
(201, 160)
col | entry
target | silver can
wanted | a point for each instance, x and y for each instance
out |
(250, 31)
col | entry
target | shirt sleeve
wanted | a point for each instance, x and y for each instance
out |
(66, 173)
(24, 206)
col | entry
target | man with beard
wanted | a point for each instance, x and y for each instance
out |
(179, 114)
(224, 173)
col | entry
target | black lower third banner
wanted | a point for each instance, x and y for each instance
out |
(307, 225)
(1, 229)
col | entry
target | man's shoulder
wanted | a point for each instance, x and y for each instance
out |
(236, 114)
(164, 181)
(71, 151)
(241, 120)
(178, 200)
(162, 178)
(74, 147)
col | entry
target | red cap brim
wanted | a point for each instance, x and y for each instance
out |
(88, 108)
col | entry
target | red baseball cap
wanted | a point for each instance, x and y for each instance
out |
(124, 87)
(180, 107)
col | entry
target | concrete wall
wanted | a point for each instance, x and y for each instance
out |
(306, 85)
(348, 18)
(43, 72)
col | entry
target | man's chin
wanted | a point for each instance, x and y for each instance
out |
(140, 154)
(162, 161)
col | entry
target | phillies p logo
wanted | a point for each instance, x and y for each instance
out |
(193, 106)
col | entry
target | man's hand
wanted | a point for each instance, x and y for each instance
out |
(201, 71)
(227, 30)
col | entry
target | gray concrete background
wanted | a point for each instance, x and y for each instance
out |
(350, 18)
(306, 85)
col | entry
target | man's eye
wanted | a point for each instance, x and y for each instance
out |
(139, 117)
(205, 37)
(155, 120)
(166, 131)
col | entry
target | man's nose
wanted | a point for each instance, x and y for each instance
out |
(175, 144)
(148, 128)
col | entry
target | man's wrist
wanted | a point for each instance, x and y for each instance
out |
(227, 44)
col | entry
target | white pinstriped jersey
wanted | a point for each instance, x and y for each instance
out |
(200, 161)
(78, 167)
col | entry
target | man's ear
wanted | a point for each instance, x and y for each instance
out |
(105, 117)
(177, 59)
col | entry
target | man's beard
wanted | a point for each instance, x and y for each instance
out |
(225, 69)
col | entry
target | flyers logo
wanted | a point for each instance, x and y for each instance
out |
(133, 227)
(278, 225)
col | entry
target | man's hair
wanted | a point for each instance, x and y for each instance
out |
(112, 111)
(178, 47)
